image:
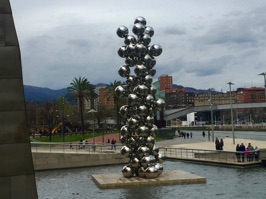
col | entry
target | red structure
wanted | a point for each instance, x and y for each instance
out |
(250, 95)
(166, 83)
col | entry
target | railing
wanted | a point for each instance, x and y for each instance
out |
(67, 147)
(210, 155)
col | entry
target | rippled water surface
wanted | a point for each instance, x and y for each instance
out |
(221, 183)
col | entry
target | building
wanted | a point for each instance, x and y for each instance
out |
(214, 98)
(179, 99)
(250, 95)
(166, 83)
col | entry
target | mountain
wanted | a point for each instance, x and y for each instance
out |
(33, 93)
(190, 89)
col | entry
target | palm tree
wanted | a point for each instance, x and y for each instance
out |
(81, 88)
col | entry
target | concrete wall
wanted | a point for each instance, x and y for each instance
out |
(47, 161)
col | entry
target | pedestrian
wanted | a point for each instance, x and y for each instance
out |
(256, 153)
(247, 154)
(191, 135)
(112, 144)
(221, 144)
(237, 152)
(70, 145)
(203, 134)
(187, 135)
(242, 149)
(115, 145)
(217, 144)
(83, 144)
(251, 151)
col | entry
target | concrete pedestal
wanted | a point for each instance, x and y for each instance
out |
(176, 177)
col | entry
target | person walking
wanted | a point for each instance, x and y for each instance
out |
(242, 149)
(221, 144)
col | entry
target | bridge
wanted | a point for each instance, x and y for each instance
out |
(175, 113)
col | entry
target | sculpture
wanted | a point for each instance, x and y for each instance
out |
(137, 135)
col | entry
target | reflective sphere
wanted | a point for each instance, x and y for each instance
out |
(149, 121)
(142, 110)
(125, 151)
(149, 30)
(124, 71)
(153, 90)
(125, 131)
(123, 110)
(160, 104)
(154, 129)
(145, 161)
(130, 61)
(146, 39)
(132, 99)
(143, 150)
(127, 172)
(148, 80)
(155, 150)
(141, 20)
(135, 162)
(149, 62)
(131, 80)
(140, 50)
(143, 131)
(150, 141)
(161, 158)
(122, 31)
(140, 70)
(122, 52)
(132, 122)
(138, 29)
(120, 91)
(131, 49)
(141, 172)
(149, 100)
(151, 172)
(156, 50)
(152, 72)
(130, 39)
(159, 167)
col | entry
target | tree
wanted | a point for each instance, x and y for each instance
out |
(117, 101)
(81, 89)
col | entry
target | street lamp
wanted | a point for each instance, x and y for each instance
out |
(92, 111)
(210, 100)
(232, 119)
(264, 74)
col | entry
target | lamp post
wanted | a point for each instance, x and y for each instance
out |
(92, 111)
(210, 100)
(232, 119)
(264, 74)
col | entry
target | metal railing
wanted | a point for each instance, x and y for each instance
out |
(210, 155)
(68, 147)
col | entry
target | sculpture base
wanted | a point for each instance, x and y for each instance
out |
(176, 177)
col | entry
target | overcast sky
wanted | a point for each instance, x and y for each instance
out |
(206, 43)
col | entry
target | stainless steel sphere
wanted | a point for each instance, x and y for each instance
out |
(141, 172)
(142, 110)
(132, 99)
(127, 172)
(135, 162)
(146, 39)
(125, 151)
(148, 80)
(155, 50)
(152, 72)
(123, 111)
(122, 31)
(140, 50)
(149, 120)
(130, 61)
(125, 131)
(133, 122)
(159, 167)
(141, 20)
(143, 150)
(120, 91)
(140, 70)
(131, 50)
(160, 103)
(143, 131)
(150, 141)
(122, 51)
(149, 30)
(130, 39)
(149, 62)
(124, 71)
(138, 29)
(149, 100)
(151, 172)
